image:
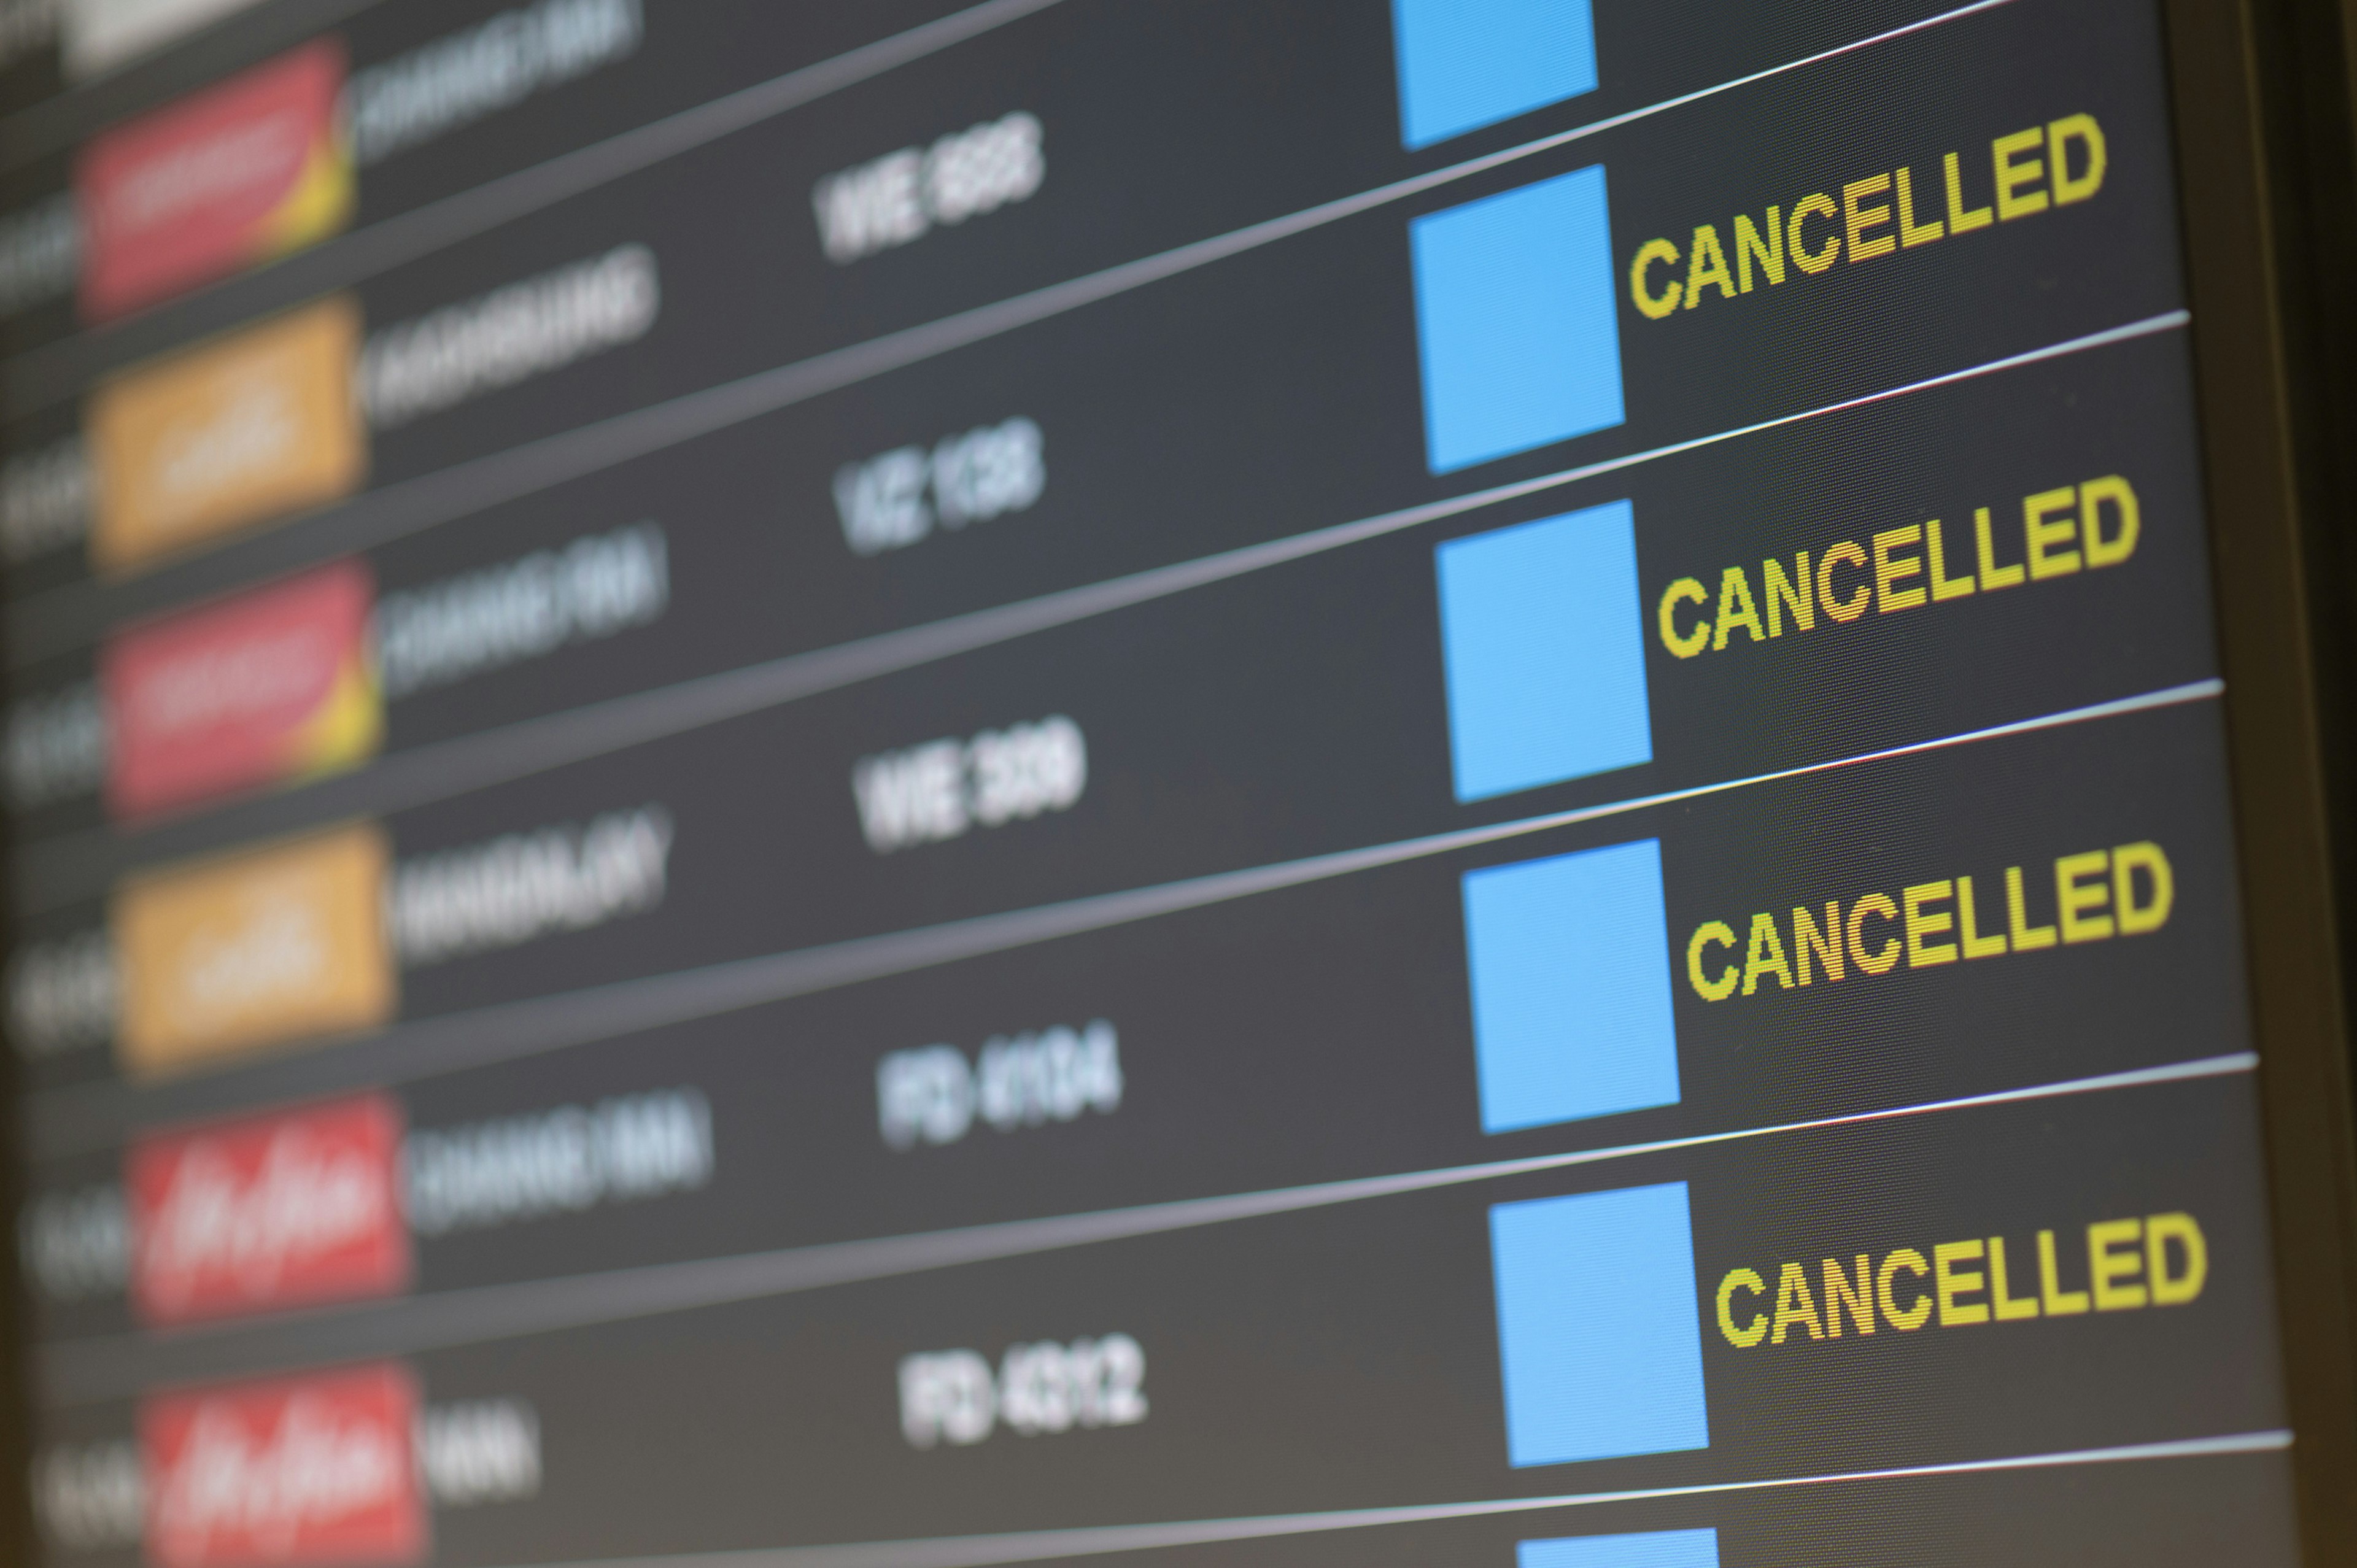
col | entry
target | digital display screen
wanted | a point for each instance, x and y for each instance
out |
(1177, 782)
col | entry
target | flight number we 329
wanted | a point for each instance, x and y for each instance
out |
(1039, 1389)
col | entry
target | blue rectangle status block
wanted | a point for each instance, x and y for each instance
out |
(1569, 964)
(1599, 1332)
(1654, 1549)
(1543, 642)
(1464, 64)
(1517, 320)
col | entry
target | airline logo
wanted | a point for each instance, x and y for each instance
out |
(292, 1473)
(243, 428)
(232, 954)
(268, 1213)
(253, 169)
(98, 35)
(273, 686)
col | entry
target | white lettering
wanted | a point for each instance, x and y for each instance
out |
(40, 245)
(61, 995)
(312, 1470)
(460, 79)
(558, 1162)
(44, 494)
(985, 473)
(214, 168)
(57, 746)
(525, 329)
(483, 1450)
(302, 1201)
(93, 1496)
(281, 946)
(521, 609)
(947, 1393)
(902, 196)
(90, 1497)
(933, 1095)
(521, 886)
(935, 791)
(227, 682)
(912, 797)
(1040, 1388)
(1049, 1387)
(76, 1245)
(258, 428)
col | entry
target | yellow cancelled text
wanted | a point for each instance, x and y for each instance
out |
(2065, 530)
(2127, 1266)
(2096, 896)
(2027, 172)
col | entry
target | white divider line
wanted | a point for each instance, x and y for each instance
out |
(977, 1550)
(61, 618)
(81, 1372)
(50, 872)
(1047, 1545)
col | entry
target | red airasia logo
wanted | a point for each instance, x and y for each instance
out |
(279, 1211)
(292, 1473)
(271, 685)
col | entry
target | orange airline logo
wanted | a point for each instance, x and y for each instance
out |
(229, 955)
(226, 434)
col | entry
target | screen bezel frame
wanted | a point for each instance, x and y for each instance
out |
(2253, 170)
(2247, 194)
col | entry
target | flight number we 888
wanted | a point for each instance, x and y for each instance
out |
(1039, 1389)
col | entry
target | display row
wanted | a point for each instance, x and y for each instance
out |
(654, 859)
(2167, 1506)
(1740, 962)
(1989, 1283)
(1616, 635)
(412, 108)
(640, 315)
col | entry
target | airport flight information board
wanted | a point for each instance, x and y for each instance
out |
(1175, 781)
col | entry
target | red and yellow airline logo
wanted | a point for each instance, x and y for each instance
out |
(238, 174)
(271, 687)
(229, 955)
(226, 434)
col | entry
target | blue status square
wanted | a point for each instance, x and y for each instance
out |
(1517, 320)
(1654, 1549)
(1598, 1330)
(1542, 642)
(1464, 64)
(1569, 964)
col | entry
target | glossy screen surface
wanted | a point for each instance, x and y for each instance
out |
(1171, 783)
